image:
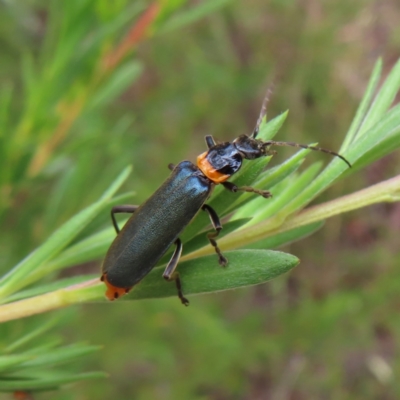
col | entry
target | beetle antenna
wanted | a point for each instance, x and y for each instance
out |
(304, 146)
(263, 111)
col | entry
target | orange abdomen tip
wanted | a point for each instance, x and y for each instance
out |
(113, 292)
(209, 171)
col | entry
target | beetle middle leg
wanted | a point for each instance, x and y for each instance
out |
(121, 209)
(171, 275)
(212, 235)
(233, 188)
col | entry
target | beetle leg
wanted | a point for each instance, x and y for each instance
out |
(233, 188)
(171, 275)
(212, 235)
(171, 166)
(121, 209)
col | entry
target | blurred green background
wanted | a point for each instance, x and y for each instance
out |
(70, 121)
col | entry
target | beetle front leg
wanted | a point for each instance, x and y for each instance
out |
(210, 141)
(121, 209)
(171, 275)
(233, 188)
(212, 235)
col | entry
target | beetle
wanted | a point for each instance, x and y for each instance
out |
(156, 225)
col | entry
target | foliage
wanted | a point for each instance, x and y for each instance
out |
(70, 91)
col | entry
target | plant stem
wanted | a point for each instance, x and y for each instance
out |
(387, 191)
(80, 293)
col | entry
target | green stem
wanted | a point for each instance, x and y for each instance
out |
(80, 293)
(387, 191)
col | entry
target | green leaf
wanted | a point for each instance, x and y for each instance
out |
(383, 100)
(6, 96)
(12, 361)
(18, 277)
(373, 142)
(200, 275)
(270, 129)
(204, 274)
(46, 381)
(271, 178)
(287, 237)
(58, 356)
(91, 248)
(261, 210)
(274, 175)
(119, 82)
(179, 20)
(383, 127)
(30, 336)
(387, 146)
(363, 107)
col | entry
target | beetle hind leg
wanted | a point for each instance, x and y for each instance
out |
(212, 235)
(171, 275)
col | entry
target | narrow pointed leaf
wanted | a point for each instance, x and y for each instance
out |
(364, 105)
(19, 276)
(204, 274)
(45, 383)
(287, 237)
(383, 100)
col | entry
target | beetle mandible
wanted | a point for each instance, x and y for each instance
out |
(157, 223)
